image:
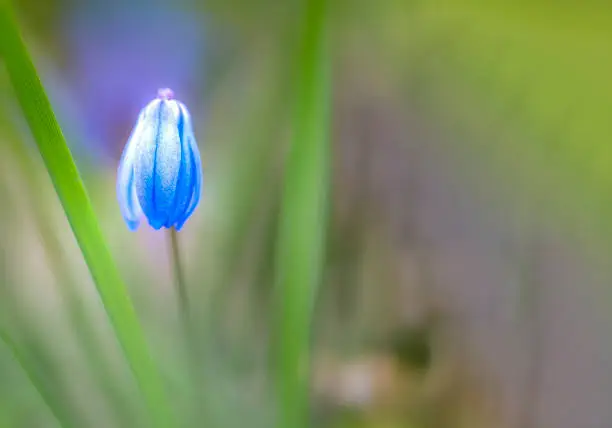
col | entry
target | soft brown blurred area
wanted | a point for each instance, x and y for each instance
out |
(508, 307)
(508, 300)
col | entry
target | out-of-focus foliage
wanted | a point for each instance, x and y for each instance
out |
(524, 85)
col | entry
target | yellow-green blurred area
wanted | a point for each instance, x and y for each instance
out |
(467, 271)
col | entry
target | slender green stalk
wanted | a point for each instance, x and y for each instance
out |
(192, 344)
(179, 278)
(182, 296)
(75, 201)
(301, 235)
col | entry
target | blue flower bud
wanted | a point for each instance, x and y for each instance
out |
(160, 172)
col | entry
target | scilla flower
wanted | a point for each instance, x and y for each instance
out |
(160, 172)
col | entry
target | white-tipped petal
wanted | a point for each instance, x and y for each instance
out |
(130, 208)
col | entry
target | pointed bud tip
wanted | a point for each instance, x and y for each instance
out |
(165, 94)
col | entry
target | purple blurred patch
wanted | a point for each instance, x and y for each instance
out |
(120, 54)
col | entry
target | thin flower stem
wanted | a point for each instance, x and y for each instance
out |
(190, 336)
(179, 280)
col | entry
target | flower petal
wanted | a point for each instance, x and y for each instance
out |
(197, 188)
(125, 179)
(133, 207)
(186, 179)
(144, 163)
(167, 161)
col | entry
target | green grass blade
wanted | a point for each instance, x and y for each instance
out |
(300, 247)
(71, 192)
(65, 420)
(35, 196)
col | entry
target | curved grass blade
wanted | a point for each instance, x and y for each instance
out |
(64, 419)
(300, 247)
(75, 201)
(81, 322)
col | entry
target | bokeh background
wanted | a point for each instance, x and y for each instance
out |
(467, 276)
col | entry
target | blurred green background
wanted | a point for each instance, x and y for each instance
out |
(466, 276)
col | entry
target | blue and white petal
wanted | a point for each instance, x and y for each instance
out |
(167, 162)
(128, 202)
(197, 188)
(160, 172)
(186, 179)
(144, 164)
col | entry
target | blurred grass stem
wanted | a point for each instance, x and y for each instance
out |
(48, 395)
(300, 250)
